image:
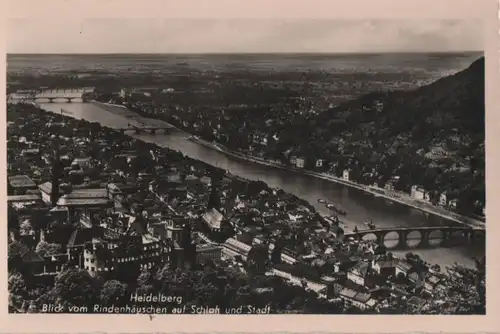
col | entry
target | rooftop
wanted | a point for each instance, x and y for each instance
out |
(21, 181)
(78, 193)
(87, 193)
(362, 297)
(213, 218)
(361, 268)
(348, 293)
(23, 198)
(416, 301)
(82, 201)
(207, 247)
(403, 265)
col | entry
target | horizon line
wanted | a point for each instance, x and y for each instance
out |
(246, 53)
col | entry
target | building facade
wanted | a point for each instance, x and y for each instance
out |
(107, 255)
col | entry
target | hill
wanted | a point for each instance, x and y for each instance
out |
(431, 136)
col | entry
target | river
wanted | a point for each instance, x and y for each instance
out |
(359, 205)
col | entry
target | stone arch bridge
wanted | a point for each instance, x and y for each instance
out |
(151, 129)
(61, 95)
(421, 237)
(59, 99)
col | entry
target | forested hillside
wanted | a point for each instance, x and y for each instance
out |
(432, 136)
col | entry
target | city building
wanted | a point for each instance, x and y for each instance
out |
(431, 282)
(403, 267)
(20, 184)
(384, 268)
(22, 96)
(363, 301)
(345, 174)
(389, 186)
(358, 273)
(260, 138)
(108, 255)
(208, 252)
(124, 93)
(46, 191)
(416, 302)
(358, 299)
(213, 220)
(233, 247)
(300, 163)
(443, 199)
(25, 204)
(86, 202)
(82, 163)
(419, 193)
(176, 229)
(453, 203)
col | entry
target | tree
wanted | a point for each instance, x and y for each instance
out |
(381, 249)
(436, 268)
(75, 287)
(164, 273)
(257, 258)
(12, 217)
(16, 285)
(15, 261)
(25, 227)
(409, 256)
(39, 220)
(144, 278)
(114, 293)
(401, 277)
(145, 290)
(47, 249)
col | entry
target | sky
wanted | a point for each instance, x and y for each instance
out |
(240, 36)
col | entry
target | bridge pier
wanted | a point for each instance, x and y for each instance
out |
(424, 243)
(403, 234)
(477, 236)
(448, 239)
(137, 131)
(153, 131)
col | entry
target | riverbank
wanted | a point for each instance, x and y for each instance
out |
(359, 205)
(378, 192)
(392, 197)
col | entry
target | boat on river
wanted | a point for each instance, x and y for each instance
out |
(335, 209)
(205, 143)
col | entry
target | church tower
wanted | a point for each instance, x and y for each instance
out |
(214, 201)
(56, 175)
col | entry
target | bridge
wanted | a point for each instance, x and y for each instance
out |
(396, 238)
(151, 129)
(62, 95)
(59, 99)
